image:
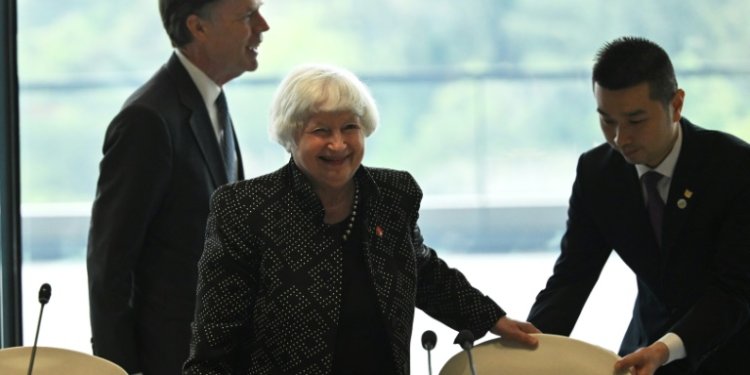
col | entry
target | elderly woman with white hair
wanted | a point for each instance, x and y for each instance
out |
(317, 267)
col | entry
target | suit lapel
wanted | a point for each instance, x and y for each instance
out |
(200, 122)
(686, 182)
(206, 138)
(621, 208)
(632, 207)
(382, 251)
(371, 245)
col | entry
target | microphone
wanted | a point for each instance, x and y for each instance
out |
(429, 339)
(44, 294)
(466, 340)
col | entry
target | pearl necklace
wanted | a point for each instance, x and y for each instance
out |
(353, 216)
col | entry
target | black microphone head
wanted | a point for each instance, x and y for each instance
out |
(429, 339)
(465, 338)
(44, 293)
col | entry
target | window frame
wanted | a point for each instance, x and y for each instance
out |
(10, 217)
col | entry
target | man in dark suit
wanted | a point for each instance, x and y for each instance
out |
(164, 154)
(685, 232)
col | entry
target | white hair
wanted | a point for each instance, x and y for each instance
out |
(314, 88)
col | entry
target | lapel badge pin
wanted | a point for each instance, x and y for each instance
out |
(378, 231)
(681, 203)
(688, 193)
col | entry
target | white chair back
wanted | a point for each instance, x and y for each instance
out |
(555, 355)
(55, 361)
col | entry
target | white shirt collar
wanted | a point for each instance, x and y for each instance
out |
(208, 89)
(666, 168)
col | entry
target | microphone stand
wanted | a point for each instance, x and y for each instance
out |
(429, 363)
(44, 294)
(471, 362)
(429, 339)
(466, 339)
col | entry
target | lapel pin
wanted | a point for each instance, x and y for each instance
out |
(681, 203)
(378, 231)
(688, 193)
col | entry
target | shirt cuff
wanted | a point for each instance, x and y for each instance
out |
(675, 346)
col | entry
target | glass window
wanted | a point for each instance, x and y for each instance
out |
(487, 103)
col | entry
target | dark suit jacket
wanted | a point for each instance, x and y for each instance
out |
(697, 285)
(270, 279)
(160, 166)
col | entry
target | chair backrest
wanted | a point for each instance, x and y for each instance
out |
(57, 361)
(554, 355)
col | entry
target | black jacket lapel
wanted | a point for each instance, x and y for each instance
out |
(685, 184)
(200, 122)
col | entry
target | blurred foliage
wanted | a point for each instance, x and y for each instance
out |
(480, 97)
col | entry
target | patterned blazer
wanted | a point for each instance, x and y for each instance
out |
(270, 279)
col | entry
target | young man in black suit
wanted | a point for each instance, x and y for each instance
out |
(685, 232)
(164, 154)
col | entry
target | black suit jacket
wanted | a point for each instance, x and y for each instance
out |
(270, 279)
(161, 164)
(697, 285)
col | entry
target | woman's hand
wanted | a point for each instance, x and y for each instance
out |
(516, 331)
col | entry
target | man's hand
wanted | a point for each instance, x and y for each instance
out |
(516, 331)
(644, 361)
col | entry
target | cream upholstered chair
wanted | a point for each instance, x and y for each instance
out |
(555, 355)
(57, 361)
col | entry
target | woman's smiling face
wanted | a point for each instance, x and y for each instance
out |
(329, 149)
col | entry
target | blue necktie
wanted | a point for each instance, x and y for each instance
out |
(227, 137)
(654, 203)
